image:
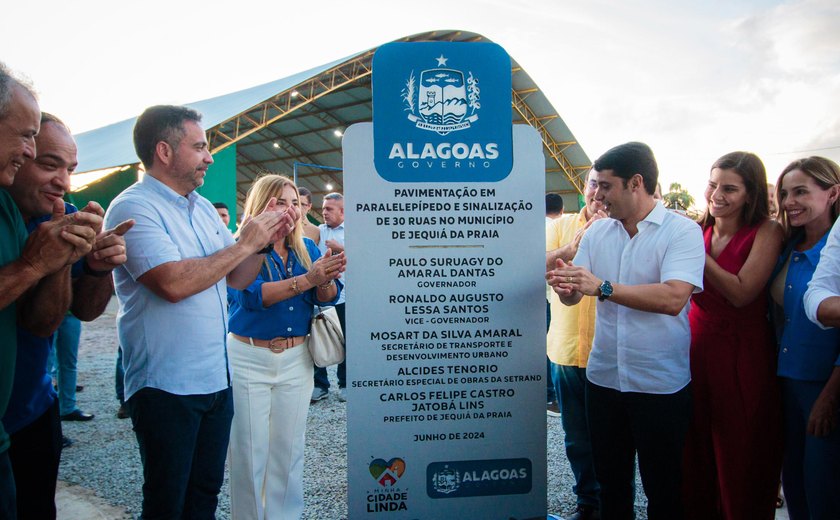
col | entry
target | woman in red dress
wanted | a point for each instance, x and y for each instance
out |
(734, 443)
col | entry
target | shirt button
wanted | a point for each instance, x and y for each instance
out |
(790, 287)
(795, 258)
(291, 308)
(289, 329)
(784, 350)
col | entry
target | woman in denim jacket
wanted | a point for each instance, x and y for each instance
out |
(808, 192)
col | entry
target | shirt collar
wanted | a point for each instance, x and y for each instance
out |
(813, 254)
(168, 193)
(656, 216)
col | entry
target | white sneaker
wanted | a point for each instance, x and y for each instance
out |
(342, 395)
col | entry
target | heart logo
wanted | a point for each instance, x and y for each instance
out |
(387, 473)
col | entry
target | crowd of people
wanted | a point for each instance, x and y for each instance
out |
(175, 274)
(713, 358)
(709, 350)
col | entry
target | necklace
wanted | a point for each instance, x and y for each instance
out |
(289, 264)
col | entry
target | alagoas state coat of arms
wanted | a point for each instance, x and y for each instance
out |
(444, 99)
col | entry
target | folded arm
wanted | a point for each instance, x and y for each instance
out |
(743, 287)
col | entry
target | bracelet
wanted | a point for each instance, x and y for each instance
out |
(90, 272)
(266, 250)
(326, 285)
(295, 286)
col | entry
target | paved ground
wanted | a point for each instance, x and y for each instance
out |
(77, 503)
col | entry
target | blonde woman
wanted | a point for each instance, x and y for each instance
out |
(809, 355)
(271, 366)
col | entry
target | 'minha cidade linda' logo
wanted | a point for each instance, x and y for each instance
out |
(386, 474)
(441, 112)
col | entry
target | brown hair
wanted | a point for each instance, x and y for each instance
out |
(751, 170)
(160, 123)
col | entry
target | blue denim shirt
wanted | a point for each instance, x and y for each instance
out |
(290, 317)
(179, 348)
(806, 351)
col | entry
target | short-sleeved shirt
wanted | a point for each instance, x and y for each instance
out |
(569, 339)
(290, 317)
(175, 347)
(633, 350)
(337, 234)
(12, 237)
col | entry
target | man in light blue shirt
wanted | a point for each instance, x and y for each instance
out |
(172, 320)
(332, 237)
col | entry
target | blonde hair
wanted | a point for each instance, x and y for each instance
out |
(825, 172)
(272, 185)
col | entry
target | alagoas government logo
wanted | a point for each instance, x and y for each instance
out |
(442, 112)
(474, 478)
(443, 100)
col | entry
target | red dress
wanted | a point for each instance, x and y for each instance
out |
(733, 450)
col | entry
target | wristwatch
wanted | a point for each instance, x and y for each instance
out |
(606, 290)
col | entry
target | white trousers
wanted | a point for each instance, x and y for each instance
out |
(271, 395)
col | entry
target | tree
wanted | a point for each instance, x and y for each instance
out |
(678, 198)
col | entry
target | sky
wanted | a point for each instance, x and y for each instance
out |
(694, 80)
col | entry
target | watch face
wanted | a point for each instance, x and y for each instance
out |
(606, 290)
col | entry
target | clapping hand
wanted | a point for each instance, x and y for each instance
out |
(327, 268)
(62, 240)
(109, 248)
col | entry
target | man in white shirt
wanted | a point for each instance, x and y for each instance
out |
(332, 237)
(643, 264)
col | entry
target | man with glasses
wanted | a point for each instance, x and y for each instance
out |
(310, 230)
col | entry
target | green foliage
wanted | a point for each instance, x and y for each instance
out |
(678, 198)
